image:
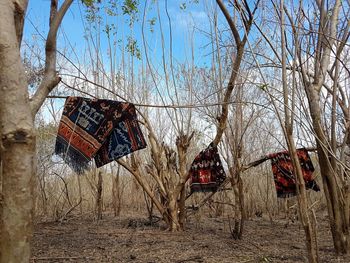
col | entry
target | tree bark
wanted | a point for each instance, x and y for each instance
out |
(237, 186)
(304, 211)
(80, 195)
(99, 196)
(182, 144)
(116, 193)
(17, 143)
(335, 204)
(182, 208)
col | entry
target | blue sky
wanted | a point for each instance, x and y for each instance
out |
(182, 22)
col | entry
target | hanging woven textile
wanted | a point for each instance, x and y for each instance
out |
(96, 128)
(206, 171)
(282, 169)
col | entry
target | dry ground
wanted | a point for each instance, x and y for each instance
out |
(132, 239)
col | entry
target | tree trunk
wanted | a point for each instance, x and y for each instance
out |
(80, 195)
(99, 196)
(43, 193)
(237, 185)
(235, 172)
(150, 206)
(173, 215)
(336, 206)
(182, 208)
(116, 193)
(182, 144)
(307, 220)
(304, 211)
(18, 145)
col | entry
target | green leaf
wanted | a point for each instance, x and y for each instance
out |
(133, 48)
(263, 87)
(130, 7)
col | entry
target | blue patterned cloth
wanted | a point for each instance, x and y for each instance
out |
(95, 128)
(125, 138)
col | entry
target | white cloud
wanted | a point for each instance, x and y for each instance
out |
(189, 19)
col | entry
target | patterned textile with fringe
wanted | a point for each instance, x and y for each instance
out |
(282, 169)
(206, 171)
(96, 128)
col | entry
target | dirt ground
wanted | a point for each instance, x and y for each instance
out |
(133, 239)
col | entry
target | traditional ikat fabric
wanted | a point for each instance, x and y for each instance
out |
(284, 177)
(206, 172)
(96, 128)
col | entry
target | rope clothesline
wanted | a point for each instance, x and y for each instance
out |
(171, 106)
(184, 106)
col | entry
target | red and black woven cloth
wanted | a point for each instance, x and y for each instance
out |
(284, 177)
(96, 128)
(206, 172)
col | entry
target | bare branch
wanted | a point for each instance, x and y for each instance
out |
(222, 119)
(229, 21)
(144, 185)
(51, 79)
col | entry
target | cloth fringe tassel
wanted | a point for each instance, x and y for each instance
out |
(72, 157)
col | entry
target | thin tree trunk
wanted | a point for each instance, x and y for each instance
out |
(237, 186)
(307, 219)
(305, 215)
(182, 208)
(149, 205)
(99, 196)
(338, 222)
(235, 171)
(80, 195)
(116, 193)
(43, 193)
